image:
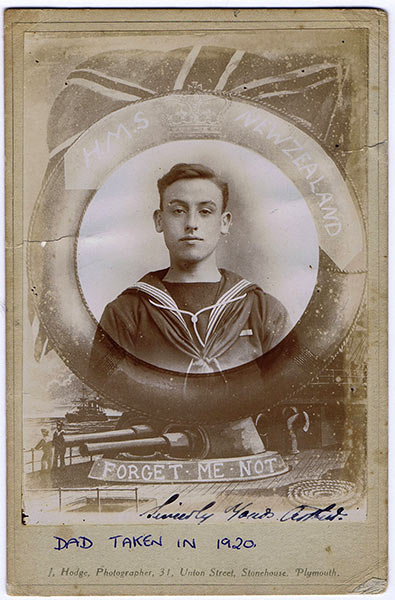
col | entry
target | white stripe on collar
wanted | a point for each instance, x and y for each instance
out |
(165, 299)
(222, 304)
(217, 310)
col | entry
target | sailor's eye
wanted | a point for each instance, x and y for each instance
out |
(178, 211)
(206, 211)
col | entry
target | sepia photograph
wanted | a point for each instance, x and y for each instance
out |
(196, 204)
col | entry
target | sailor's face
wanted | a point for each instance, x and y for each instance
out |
(191, 219)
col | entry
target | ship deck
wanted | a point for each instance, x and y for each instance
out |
(64, 493)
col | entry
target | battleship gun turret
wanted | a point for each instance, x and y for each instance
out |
(153, 453)
(175, 441)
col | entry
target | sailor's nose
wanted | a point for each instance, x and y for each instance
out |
(191, 223)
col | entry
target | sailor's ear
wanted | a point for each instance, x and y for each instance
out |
(226, 222)
(158, 220)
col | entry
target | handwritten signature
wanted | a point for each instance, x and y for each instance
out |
(305, 512)
(240, 511)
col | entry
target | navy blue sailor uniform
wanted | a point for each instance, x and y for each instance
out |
(194, 327)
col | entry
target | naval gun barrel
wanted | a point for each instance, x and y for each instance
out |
(174, 444)
(114, 435)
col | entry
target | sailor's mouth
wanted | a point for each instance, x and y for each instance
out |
(191, 239)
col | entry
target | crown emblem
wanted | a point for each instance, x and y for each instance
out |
(196, 115)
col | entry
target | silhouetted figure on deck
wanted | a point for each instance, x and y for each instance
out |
(45, 445)
(59, 445)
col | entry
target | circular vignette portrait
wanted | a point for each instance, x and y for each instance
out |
(197, 279)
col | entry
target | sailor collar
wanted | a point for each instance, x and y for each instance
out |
(232, 288)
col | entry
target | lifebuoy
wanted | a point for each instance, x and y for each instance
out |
(120, 104)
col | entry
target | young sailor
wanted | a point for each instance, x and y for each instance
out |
(194, 317)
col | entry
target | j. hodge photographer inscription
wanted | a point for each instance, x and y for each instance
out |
(196, 300)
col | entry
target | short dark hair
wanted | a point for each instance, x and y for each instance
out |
(192, 171)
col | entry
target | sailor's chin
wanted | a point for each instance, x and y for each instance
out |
(190, 258)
